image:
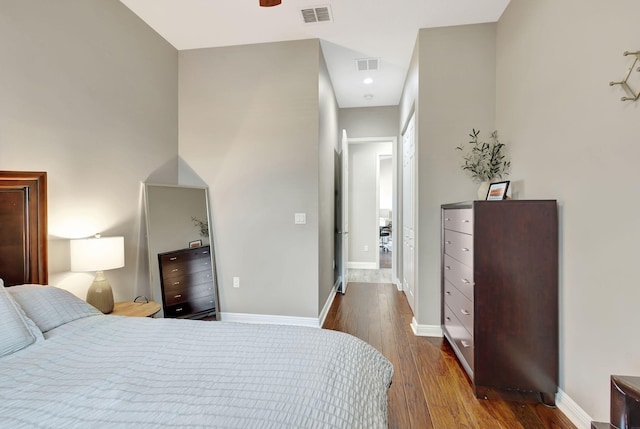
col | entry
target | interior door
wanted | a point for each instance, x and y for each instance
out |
(345, 210)
(408, 212)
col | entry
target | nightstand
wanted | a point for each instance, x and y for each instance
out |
(135, 309)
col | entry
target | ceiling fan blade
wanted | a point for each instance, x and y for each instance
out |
(269, 3)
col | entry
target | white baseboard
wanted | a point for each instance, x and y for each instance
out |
(425, 330)
(362, 265)
(572, 410)
(270, 319)
(398, 284)
(327, 304)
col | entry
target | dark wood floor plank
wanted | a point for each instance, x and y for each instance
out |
(429, 389)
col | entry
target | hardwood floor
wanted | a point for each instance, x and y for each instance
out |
(429, 389)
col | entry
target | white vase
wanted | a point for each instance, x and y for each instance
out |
(483, 189)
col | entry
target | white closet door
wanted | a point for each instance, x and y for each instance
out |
(408, 212)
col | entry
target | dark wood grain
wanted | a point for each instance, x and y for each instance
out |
(429, 389)
(23, 227)
(516, 296)
(187, 283)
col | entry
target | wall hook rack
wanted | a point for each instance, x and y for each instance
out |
(632, 95)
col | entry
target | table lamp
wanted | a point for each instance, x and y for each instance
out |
(98, 254)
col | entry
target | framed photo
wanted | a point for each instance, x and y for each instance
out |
(195, 243)
(498, 191)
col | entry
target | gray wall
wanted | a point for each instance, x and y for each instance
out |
(573, 140)
(363, 122)
(251, 132)
(89, 95)
(451, 87)
(328, 144)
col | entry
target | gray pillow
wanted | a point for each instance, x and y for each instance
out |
(50, 306)
(14, 332)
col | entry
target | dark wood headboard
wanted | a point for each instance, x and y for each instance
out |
(23, 227)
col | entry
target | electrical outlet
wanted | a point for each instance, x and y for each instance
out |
(236, 282)
(366, 248)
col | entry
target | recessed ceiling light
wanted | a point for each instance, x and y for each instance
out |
(368, 81)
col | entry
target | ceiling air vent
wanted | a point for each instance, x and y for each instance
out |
(317, 14)
(366, 64)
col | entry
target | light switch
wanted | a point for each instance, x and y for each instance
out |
(300, 218)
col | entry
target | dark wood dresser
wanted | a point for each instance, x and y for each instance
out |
(500, 293)
(188, 283)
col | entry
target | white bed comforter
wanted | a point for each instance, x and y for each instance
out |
(120, 372)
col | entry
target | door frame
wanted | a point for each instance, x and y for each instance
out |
(395, 183)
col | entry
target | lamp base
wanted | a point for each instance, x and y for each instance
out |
(100, 294)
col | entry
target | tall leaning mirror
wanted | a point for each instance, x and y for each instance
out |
(181, 262)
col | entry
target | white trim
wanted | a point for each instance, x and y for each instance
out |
(359, 140)
(327, 304)
(362, 265)
(311, 322)
(398, 283)
(572, 410)
(425, 330)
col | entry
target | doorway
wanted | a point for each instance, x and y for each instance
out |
(370, 211)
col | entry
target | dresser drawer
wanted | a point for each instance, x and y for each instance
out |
(181, 266)
(179, 283)
(460, 304)
(188, 308)
(461, 338)
(203, 304)
(459, 246)
(204, 290)
(460, 220)
(460, 275)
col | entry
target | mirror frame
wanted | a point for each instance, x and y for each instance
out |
(154, 275)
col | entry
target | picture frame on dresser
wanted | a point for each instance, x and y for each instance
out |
(498, 191)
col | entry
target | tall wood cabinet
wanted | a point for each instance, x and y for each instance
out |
(500, 293)
(187, 281)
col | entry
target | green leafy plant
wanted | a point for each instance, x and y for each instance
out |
(485, 161)
(203, 226)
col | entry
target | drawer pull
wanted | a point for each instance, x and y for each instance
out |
(447, 267)
(176, 283)
(448, 319)
(466, 249)
(173, 258)
(178, 309)
(174, 270)
(448, 219)
(177, 296)
(465, 312)
(465, 220)
(465, 344)
(447, 242)
(448, 293)
(465, 281)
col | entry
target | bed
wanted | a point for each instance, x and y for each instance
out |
(65, 364)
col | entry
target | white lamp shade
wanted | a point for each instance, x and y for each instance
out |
(97, 254)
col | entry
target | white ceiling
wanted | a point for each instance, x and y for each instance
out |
(384, 29)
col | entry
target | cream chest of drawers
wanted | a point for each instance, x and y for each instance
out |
(500, 293)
